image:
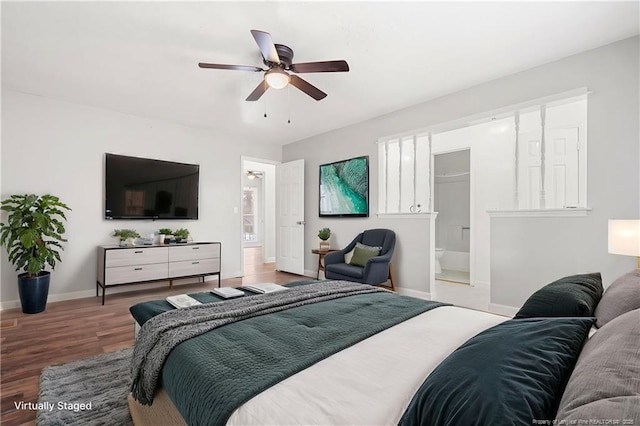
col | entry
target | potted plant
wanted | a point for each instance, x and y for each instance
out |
(181, 234)
(324, 234)
(33, 237)
(127, 236)
(165, 234)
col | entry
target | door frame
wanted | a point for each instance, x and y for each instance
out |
(244, 158)
(472, 225)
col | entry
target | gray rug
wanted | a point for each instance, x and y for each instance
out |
(87, 392)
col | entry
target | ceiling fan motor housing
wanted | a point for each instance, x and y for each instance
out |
(286, 56)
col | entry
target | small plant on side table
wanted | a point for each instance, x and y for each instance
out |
(324, 234)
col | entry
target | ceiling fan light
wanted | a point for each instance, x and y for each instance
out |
(276, 78)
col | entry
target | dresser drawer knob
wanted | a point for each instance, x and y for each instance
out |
(138, 269)
(195, 248)
(194, 263)
(138, 251)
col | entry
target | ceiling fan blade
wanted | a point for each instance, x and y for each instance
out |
(230, 67)
(267, 48)
(258, 91)
(324, 66)
(307, 87)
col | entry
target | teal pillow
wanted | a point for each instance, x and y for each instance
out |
(362, 253)
(513, 373)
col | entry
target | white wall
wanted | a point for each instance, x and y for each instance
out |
(50, 146)
(525, 253)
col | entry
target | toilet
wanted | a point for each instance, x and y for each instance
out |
(439, 253)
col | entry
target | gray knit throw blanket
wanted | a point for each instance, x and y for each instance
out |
(162, 333)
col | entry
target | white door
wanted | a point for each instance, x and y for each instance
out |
(561, 169)
(290, 217)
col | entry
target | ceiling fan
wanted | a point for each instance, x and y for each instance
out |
(252, 174)
(278, 58)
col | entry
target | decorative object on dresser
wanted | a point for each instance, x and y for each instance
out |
(181, 235)
(166, 235)
(33, 239)
(127, 236)
(131, 265)
(324, 234)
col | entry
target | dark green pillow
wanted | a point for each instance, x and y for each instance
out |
(573, 296)
(362, 253)
(511, 374)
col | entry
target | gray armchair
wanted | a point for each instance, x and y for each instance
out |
(376, 270)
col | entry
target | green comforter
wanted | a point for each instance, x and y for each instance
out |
(211, 375)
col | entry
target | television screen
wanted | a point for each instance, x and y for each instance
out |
(141, 188)
(344, 188)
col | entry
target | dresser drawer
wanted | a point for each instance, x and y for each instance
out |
(135, 273)
(194, 252)
(136, 256)
(194, 267)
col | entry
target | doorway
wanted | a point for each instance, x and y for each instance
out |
(258, 223)
(452, 201)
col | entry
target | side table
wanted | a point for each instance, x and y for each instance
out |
(321, 254)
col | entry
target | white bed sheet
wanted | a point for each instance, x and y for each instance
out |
(372, 382)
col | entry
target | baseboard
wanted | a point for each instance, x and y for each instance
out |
(270, 260)
(312, 274)
(414, 293)
(12, 304)
(505, 310)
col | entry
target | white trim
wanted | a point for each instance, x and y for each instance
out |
(311, 274)
(414, 293)
(572, 212)
(11, 304)
(508, 311)
(485, 116)
(270, 260)
(422, 215)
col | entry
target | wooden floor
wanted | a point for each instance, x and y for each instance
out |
(80, 328)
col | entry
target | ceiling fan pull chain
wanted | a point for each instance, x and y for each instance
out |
(265, 100)
(289, 104)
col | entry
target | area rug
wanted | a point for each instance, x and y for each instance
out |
(91, 391)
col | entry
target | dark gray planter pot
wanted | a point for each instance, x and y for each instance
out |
(34, 292)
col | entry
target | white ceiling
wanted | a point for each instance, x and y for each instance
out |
(141, 57)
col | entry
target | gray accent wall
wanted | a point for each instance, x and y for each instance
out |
(526, 253)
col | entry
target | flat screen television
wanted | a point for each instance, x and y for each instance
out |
(142, 188)
(344, 188)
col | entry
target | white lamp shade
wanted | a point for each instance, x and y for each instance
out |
(624, 237)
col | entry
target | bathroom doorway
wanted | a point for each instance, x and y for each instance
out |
(452, 201)
(258, 219)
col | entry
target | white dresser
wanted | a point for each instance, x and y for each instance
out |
(140, 264)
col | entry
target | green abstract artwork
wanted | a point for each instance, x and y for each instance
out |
(344, 188)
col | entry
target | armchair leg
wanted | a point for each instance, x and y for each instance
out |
(390, 278)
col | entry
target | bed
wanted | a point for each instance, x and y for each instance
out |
(368, 356)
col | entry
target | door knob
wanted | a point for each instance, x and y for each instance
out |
(300, 222)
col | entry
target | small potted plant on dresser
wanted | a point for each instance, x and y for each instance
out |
(324, 234)
(165, 235)
(127, 236)
(33, 237)
(181, 235)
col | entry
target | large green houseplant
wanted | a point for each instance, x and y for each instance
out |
(33, 237)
